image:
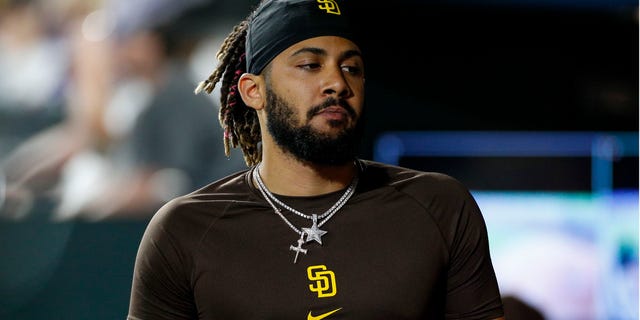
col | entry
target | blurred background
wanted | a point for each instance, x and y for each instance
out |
(533, 104)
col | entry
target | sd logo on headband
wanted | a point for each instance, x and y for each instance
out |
(330, 6)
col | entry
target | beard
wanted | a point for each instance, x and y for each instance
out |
(307, 144)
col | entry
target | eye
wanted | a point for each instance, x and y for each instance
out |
(309, 66)
(354, 70)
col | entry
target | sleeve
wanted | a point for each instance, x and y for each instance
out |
(472, 288)
(161, 287)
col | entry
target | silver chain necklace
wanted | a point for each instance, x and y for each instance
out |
(314, 232)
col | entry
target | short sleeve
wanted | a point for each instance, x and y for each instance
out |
(472, 289)
(160, 286)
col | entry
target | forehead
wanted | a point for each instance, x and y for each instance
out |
(324, 45)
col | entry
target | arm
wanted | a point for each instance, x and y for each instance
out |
(472, 287)
(161, 286)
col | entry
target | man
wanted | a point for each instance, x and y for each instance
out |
(309, 230)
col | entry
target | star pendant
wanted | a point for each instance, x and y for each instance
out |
(314, 233)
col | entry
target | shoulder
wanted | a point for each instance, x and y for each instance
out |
(445, 199)
(413, 182)
(191, 214)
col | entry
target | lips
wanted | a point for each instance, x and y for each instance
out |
(334, 109)
(334, 113)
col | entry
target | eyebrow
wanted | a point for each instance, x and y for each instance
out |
(322, 52)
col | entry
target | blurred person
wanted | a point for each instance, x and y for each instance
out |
(30, 173)
(120, 153)
(309, 229)
(33, 168)
(28, 45)
(30, 85)
(164, 144)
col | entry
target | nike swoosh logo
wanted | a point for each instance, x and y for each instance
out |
(322, 316)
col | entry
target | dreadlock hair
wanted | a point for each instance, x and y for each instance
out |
(239, 122)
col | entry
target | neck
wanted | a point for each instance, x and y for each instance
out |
(284, 175)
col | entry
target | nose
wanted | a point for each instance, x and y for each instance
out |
(336, 84)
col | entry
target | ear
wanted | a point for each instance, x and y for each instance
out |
(250, 88)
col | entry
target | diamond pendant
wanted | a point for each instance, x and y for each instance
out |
(314, 233)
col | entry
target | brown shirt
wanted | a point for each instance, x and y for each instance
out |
(407, 245)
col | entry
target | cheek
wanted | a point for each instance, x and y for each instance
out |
(357, 101)
(298, 104)
(294, 92)
(357, 87)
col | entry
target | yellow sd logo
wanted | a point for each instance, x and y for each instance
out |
(330, 6)
(324, 281)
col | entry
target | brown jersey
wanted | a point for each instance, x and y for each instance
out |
(407, 245)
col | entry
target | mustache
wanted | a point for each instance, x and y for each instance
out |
(331, 101)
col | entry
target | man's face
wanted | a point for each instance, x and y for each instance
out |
(306, 143)
(315, 94)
